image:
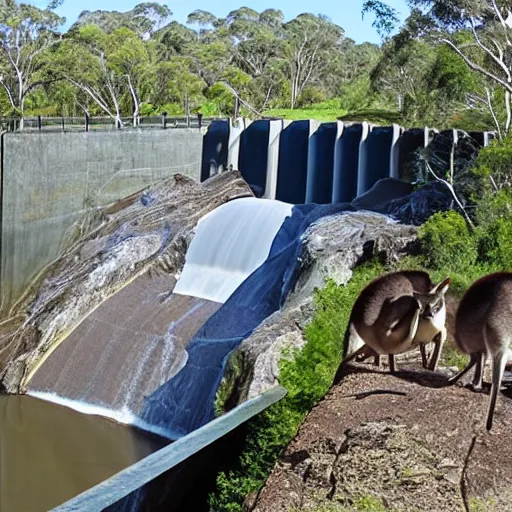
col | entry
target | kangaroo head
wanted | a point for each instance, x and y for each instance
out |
(433, 301)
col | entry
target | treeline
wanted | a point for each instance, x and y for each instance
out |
(251, 63)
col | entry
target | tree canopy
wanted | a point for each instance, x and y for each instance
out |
(446, 66)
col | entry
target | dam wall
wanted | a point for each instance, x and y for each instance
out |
(305, 162)
(53, 183)
(52, 180)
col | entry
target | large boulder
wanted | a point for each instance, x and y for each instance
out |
(150, 230)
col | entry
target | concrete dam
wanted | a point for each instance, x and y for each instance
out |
(126, 287)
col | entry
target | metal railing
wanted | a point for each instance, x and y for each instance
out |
(125, 482)
(88, 123)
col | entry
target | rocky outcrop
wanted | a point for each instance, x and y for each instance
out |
(331, 248)
(395, 443)
(149, 231)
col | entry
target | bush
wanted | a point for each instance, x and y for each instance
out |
(310, 96)
(496, 161)
(446, 242)
(307, 377)
(494, 232)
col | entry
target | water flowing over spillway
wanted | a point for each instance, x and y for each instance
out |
(230, 244)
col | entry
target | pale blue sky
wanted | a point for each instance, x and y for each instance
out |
(346, 13)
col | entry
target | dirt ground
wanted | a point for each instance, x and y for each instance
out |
(403, 442)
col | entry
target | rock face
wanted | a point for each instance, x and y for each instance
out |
(331, 248)
(401, 443)
(149, 231)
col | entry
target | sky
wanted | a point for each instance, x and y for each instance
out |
(346, 13)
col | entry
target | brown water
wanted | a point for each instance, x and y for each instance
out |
(50, 453)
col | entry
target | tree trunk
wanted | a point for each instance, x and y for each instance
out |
(22, 113)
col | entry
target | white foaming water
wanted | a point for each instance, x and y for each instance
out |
(123, 416)
(230, 243)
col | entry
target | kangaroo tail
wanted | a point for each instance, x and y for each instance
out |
(498, 367)
(474, 360)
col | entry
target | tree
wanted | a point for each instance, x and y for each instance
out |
(485, 45)
(402, 69)
(130, 57)
(104, 66)
(309, 40)
(177, 83)
(26, 36)
(144, 19)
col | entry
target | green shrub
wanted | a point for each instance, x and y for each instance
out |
(307, 377)
(446, 242)
(494, 232)
(496, 161)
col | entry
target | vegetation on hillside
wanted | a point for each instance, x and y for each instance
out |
(142, 62)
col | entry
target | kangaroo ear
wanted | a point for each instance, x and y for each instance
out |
(442, 287)
(422, 298)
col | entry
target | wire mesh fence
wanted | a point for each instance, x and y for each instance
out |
(90, 124)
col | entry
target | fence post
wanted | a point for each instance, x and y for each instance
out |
(86, 122)
(199, 119)
(164, 120)
(62, 123)
(39, 123)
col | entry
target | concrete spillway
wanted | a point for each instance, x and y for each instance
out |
(229, 245)
(124, 350)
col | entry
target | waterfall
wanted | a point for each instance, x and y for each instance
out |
(230, 243)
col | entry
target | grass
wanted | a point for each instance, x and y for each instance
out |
(307, 377)
(319, 114)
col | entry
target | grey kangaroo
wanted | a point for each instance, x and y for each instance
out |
(394, 314)
(483, 327)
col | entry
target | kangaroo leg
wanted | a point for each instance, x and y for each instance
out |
(391, 362)
(439, 340)
(424, 358)
(476, 385)
(498, 367)
(472, 362)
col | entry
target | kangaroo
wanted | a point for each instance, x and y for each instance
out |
(394, 314)
(483, 328)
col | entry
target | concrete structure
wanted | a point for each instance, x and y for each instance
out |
(310, 162)
(52, 180)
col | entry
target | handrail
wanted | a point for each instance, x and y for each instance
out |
(120, 485)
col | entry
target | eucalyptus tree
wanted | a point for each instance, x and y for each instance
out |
(480, 34)
(309, 43)
(106, 67)
(27, 36)
(144, 19)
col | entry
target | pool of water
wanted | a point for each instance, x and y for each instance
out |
(50, 453)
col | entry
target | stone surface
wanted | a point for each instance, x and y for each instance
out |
(424, 450)
(147, 232)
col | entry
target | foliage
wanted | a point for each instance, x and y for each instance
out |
(495, 161)
(125, 63)
(446, 242)
(479, 33)
(307, 378)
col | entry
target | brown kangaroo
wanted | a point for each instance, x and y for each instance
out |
(395, 313)
(483, 328)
